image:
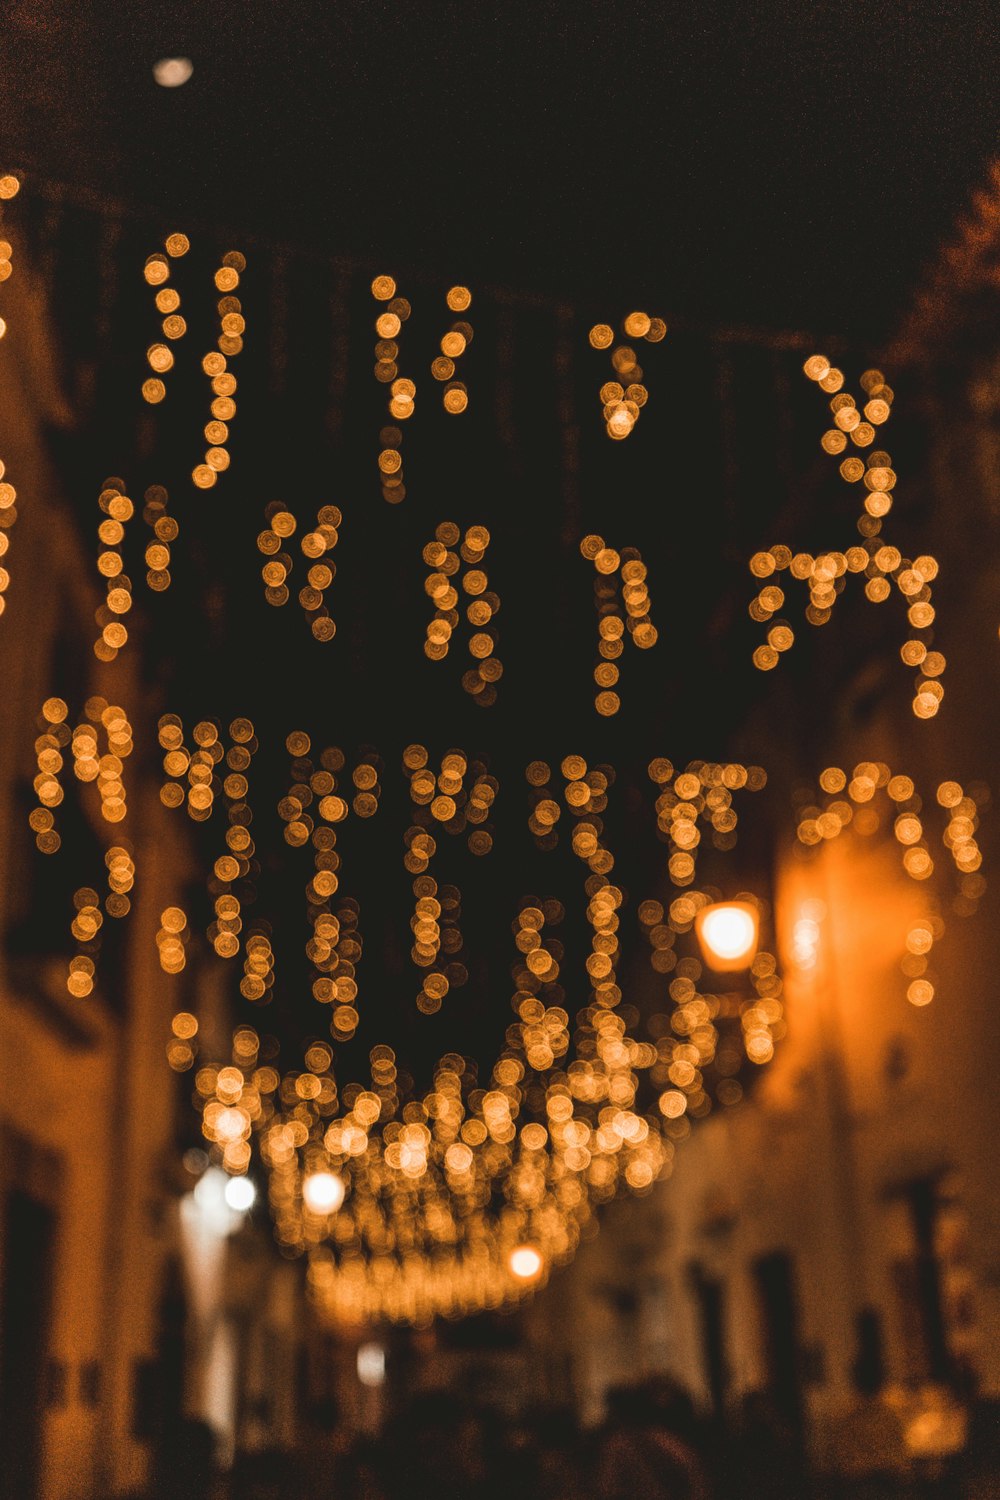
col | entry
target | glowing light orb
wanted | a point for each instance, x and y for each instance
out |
(727, 932)
(240, 1194)
(525, 1262)
(323, 1192)
(371, 1364)
(171, 72)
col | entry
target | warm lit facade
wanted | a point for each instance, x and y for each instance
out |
(109, 1315)
(838, 1230)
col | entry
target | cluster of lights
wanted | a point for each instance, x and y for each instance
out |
(85, 927)
(464, 1197)
(160, 356)
(165, 530)
(118, 510)
(402, 390)
(623, 398)
(481, 611)
(235, 1099)
(409, 1207)
(881, 564)
(407, 1204)
(335, 945)
(610, 595)
(107, 770)
(171, 940)
(216, 366)
(871, 793)
(182, 1048)
(703, 792)
(237, 863)
(316, 546)
(440, 800)
(281, 526)
(258, 966)
(201, 767)
(445, 799)
(52, 740)
(454, 343)
(121, 879)
(9, 187)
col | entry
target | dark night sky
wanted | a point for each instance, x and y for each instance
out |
(789, 164)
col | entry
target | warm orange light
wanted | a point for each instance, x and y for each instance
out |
(727, 932)
(172, 72)
(525, 1262)
(323, 1192)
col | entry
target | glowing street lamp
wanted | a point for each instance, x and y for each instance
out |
(240, 1194)
(525, 1263)
(323, 1192)
(727, 932)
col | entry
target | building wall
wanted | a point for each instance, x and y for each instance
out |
(868, 1094)
(86, 1091)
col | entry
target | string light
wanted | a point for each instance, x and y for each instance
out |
(118, 510)
(159, 356)
(571, 1113)
(414, 1235)
(436, 801)
(609, 597)
(481, 611)
(216, 366)
(165, 530)
(623, 398)
(825, 574)
(107, 770)
(402, 390)
(455, 396)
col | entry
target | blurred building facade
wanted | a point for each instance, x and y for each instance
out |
(123, 1312)
(835, 1235)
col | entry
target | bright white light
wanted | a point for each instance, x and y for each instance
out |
(171, 72)
(240, 1194)
(525, 1262)
(211, 1206)
(323, 1192)
(728, 934)
(371, 1364)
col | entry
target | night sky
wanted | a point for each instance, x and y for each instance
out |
(791, 165)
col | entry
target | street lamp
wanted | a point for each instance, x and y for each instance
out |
(240, 1194)
(525, 1262)
(323, 1192)
(727, 932)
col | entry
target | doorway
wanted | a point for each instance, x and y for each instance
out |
(25, 1311)
(782, 1347)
